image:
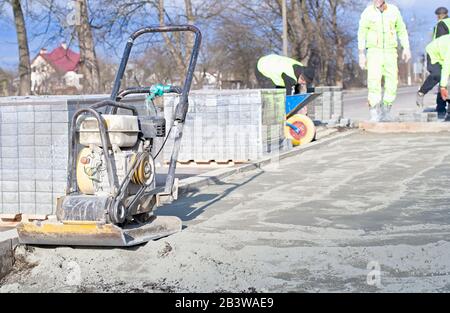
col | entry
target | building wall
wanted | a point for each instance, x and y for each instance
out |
(41, 71)
(44, 78)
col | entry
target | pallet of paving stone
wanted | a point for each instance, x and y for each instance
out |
(34, 139)
(329, 105)
(10, 220)
(13, 219)
(214, 162)
(229, 124)
(34, 217)
(209, 163)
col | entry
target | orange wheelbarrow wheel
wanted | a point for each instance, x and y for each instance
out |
(300, 129)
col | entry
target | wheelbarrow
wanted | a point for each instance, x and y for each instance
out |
(299, 128)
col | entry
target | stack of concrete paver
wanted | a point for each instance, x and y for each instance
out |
(221, 125)
(33, 141)
(329, 106)
(34, 138)
(230, 125)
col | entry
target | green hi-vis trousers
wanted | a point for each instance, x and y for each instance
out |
(382, 63)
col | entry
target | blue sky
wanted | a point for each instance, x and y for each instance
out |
(418, 13)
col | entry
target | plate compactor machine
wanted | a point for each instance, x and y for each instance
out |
(111, 188)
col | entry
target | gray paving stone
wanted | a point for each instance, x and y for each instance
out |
(10, 186)
(27, 185)
(43, 140)
(9, 174)
(8, 129)
(25, 117)
(60, 128)
(27, 197)
(43, 117)
(43, 186)
(9, 152)
(25, 140)
(8, 117)
(10, 197)
(26, 129)
(44, 198)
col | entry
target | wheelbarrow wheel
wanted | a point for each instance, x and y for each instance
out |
(300, 129)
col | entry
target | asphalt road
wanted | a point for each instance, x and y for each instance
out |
(356, 107)
(365, 213)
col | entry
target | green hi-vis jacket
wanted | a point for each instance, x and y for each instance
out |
(439, 51)
(382, 29)
(274, 66)
(442, 28)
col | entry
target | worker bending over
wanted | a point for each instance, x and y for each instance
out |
(441, 29)
(286, 73)
(439, 51)
(380, 27)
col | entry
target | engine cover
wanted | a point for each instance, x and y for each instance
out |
(123, 130)
(92, 174)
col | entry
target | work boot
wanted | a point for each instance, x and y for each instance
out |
(419, 100)
(386, 113)
(441, 115)
(374, 118)
(447, 118)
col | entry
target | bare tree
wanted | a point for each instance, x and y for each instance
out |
(317, 34)
(88, 58)
(236, 34)
(180, 44)
(339, 43)
(24, 52)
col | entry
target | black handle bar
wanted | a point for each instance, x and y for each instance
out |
(114, 105)
(182, 108)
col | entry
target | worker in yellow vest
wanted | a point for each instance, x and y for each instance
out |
(441, 29)
(286, 73)
(380, 27)
(439, 51)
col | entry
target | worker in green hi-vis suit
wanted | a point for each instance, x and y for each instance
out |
(442, 28)
(380, 27)
(286, 73)
(439, 51)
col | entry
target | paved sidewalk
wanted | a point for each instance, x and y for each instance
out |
(356, 107)
(324, 220)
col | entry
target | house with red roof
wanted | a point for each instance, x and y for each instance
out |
(56, 72)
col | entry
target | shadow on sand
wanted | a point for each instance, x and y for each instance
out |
(186, 207)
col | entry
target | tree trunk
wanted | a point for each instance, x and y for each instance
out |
(190, 20)
(300, 29)
(190, 39)
(24, 53)
(88, 59)
(174, 51)
(179, 49)
(340, 49)
(189, 11)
